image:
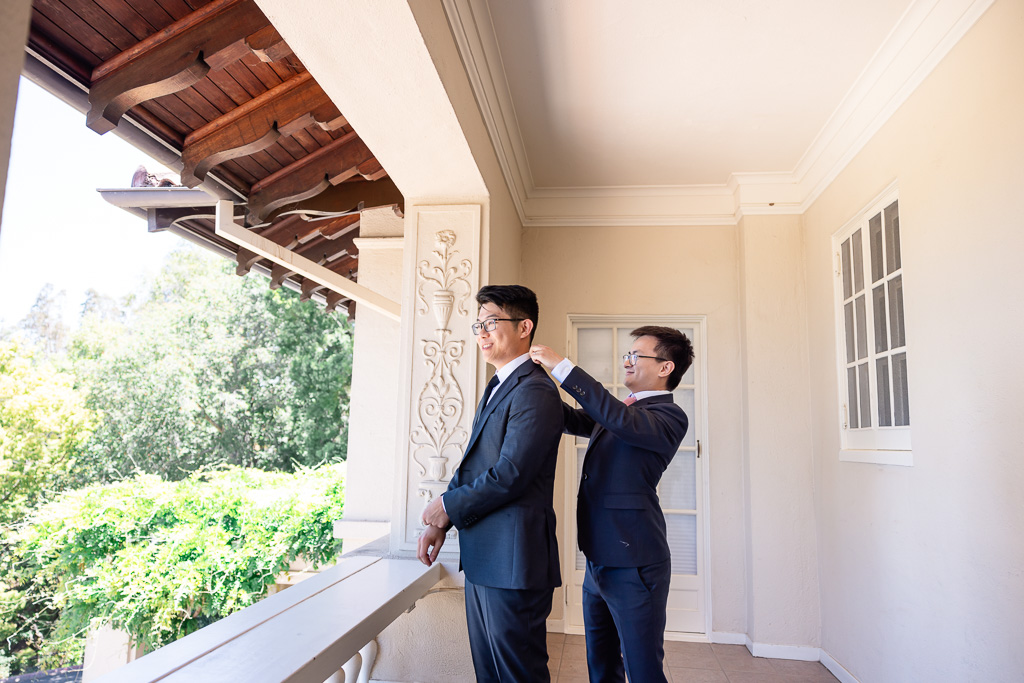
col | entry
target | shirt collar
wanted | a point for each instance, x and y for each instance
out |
(640, 395)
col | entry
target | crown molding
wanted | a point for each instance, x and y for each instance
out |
(925, 33)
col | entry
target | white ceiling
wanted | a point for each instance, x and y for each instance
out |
(594, 99)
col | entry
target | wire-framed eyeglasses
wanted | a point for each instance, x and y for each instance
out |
(491, 323)
(630, 358)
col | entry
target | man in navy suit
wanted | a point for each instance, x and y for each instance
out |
(621, 528)
(500, 499)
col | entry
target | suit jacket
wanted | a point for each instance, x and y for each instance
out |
(500, 499)
(619, 517)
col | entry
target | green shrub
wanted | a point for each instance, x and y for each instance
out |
(161, 559)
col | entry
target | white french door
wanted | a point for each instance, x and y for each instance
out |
(596, 344)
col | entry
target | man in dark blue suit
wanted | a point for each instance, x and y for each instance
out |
(500, 499)
(621, 528)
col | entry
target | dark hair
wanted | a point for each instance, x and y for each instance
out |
(672, 344)
(517, 302)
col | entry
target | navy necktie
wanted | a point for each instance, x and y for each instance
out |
(490, 387)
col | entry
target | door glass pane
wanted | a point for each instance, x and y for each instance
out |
(678, 487)
(878, 304)
(862, 328)
(847, 271)
(851, 352)
(893, 259)
(884, 404)
(858, 261)
(684, 399)
(682, 542)
(875, 233)
(595, 352)
(865, 395)
(852, 402)
(899, 331)
(900, 389)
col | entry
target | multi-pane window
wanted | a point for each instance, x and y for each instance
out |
(875, 393)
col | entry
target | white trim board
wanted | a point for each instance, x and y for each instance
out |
(793, 652)
(227, 228)
(925, 33)
(837, 669)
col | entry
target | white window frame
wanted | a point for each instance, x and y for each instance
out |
(883, 445)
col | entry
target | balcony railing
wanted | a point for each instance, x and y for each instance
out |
(321, 629)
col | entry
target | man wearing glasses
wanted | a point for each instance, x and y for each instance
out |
(621, 528)
(500, 499)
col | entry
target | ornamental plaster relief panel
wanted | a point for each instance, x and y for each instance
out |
(442, 371)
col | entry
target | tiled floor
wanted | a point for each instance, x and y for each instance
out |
(691, 663)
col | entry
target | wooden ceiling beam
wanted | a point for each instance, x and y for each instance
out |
(309, 176)
(309, 288)
(170, 60)
(244, 261)
(268, 45)
(334, 301)
(342, 198)
(283, 110)
(340, 226)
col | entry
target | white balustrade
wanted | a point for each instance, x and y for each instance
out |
(322, 629)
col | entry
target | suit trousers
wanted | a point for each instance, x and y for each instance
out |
(508, 633)
(624, 616)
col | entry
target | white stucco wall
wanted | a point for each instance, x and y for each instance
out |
(665, 270)
(502, 228)
(921, 567)
(781, 553)
(14, 20)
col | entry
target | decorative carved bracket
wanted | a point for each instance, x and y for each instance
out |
(340, 199)
(283, 110)
(169, 60)
(308, 177)
(161, 219)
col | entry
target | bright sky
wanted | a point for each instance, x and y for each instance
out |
(56, 228)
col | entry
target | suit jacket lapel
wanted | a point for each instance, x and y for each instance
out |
(483, 412)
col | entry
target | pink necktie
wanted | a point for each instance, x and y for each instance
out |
(630, 400)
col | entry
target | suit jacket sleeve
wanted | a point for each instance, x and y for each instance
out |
(531, 436)
(660, 427)
(577, 421)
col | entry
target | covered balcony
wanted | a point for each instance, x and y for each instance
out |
(701, 167)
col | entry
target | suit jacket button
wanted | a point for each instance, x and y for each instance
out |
(584, 475)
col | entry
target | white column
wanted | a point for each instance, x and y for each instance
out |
(14, 22)
(781, 549)
(440, 367)
(373, 409)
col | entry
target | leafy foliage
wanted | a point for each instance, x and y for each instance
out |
(43, 426)
(161, 559)
(213, 369)
(164, 398)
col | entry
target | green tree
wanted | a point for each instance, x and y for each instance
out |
(213, 369)
(43, 426)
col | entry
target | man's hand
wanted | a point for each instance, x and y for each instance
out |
(429, 545)
(543, 355)
(434, 515)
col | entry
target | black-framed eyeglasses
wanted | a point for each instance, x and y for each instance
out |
(630, 358)
(491, 323)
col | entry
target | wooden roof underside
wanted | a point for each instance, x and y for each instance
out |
(214, 82)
